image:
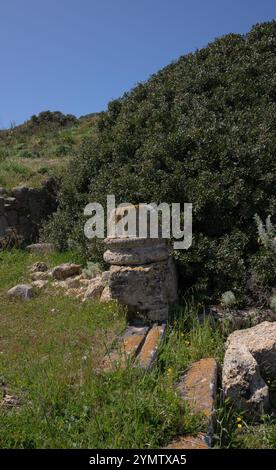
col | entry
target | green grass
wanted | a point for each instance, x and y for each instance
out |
(28, 155)
(234, 430)
(50, 348)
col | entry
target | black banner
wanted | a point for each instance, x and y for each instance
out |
(126, 458)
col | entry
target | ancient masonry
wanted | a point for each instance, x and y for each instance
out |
(143, 278)
(25, 208)
(142, 275)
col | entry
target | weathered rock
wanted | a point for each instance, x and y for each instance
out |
(105, 277)
(3, 225)
(23, 291)
(127, 243)
(2, 205)
(39, 284)
(198, 387)
(136, 255)
(65, 270)
(106, 295)
(149, 350)
(26, 209)
(70, 283)
(200, 441)
(84, 282)
(41, 248)
(12, 218)
(37, 276)
(240, 318)
(260, 340)
(146, 288)
(10, 401)
(75, 292)
(142, 273)
(20, 193)
(242, 381)
(11, 203)
(128, 346)
(39, 266)
(250, 356)
(94, 289)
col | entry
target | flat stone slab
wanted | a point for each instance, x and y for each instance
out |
(199, 385)
(129, 242)
(41, 248)
(65, 270)
(200, 441)
(136, 255)
(148, 353)
(127, 348)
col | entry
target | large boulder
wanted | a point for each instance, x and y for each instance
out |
(260, 340)
(249, 359)
(242, 380)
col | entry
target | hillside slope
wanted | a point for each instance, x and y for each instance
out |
(41, 146)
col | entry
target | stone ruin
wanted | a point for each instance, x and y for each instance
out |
(23, 211)
(142, 274)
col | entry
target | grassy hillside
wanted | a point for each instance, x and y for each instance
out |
(41, 146)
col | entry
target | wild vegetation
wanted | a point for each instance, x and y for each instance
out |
(201, 130)
(40, 147)
(50, 348)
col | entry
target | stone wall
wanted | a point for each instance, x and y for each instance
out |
(23, 209)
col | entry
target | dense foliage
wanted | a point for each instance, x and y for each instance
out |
(201, 130)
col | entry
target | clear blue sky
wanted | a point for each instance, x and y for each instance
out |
(76, 55)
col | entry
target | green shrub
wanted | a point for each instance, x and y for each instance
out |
(25, 154)
(228, 299)
(201, 130)
(267, 234)
(62, 149)
(19, 146)
(3, 154)
(92, 270)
